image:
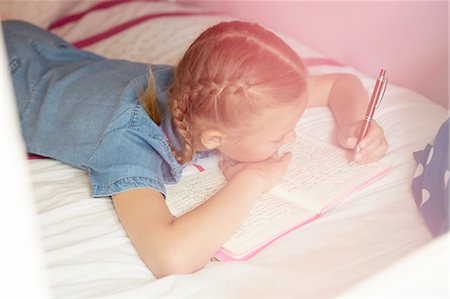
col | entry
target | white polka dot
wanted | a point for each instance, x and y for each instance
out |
(446, 176)
(419, 170)
(425, 196)
(430, 155)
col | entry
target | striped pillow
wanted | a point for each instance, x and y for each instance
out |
(144, 31)
(148, 31)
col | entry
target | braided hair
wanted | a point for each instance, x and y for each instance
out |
(228, 74)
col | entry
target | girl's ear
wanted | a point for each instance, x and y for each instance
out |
(212, 139)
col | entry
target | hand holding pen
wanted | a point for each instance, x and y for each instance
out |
(377, 96)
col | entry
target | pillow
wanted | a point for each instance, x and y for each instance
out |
(134, 30)
(38, 12)
(145, 31)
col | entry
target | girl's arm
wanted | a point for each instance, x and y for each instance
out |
(185, 244)
(348, 100)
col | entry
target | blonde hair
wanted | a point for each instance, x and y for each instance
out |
(150, 100)
(228, 74)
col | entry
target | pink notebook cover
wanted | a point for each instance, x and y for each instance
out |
(225, 255)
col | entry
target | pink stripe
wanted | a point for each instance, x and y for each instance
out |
(35, 157)
(199, 167)
(75, 17)
(321, 61)
(101, 36)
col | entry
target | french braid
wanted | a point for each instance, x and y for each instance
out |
(232, 70)
(179, 108)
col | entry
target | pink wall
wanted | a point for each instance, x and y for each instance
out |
(408, 38)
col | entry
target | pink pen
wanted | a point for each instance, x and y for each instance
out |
(377, 95)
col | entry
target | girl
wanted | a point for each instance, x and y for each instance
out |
(238, 89)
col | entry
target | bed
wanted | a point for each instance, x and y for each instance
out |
(369, 240)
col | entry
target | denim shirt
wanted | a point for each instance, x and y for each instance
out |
(84, 110)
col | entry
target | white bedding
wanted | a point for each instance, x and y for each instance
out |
(88, 253)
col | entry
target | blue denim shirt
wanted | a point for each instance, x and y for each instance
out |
(84, 110)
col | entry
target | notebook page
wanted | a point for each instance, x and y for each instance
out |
(320, 173)
(268, 218)
(192, 190)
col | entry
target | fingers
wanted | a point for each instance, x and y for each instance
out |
(349, 142)
(347, 136)
(224, 164)
(286, 158)
(274, 166)
(373, 146)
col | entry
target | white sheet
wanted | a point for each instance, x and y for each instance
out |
(89, 255)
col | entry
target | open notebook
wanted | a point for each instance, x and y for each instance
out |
(318, 177)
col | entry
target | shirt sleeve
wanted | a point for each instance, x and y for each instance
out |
(125, 159)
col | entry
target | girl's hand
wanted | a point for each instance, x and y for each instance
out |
(371, 148)
(269, 171)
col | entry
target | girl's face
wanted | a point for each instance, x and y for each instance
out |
(275, 129)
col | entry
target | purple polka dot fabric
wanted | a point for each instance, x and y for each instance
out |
(430, 183)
